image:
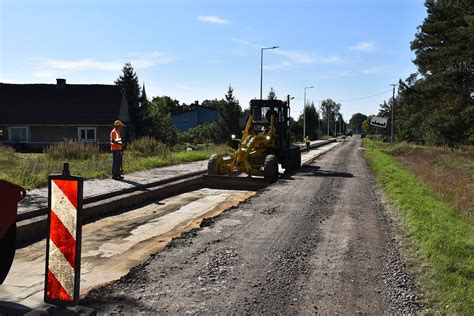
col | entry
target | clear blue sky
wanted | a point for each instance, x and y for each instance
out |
(192, 50)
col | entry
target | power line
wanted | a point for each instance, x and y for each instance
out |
(355, 99)
(366, 97)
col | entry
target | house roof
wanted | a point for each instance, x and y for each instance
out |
(195, 108)
(59, 104)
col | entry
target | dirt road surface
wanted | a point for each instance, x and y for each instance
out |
(316, 241)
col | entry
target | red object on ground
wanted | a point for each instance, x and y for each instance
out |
(10, 195)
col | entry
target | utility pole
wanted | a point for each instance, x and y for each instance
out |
(261, 67)
(393, 107)
(327, 108)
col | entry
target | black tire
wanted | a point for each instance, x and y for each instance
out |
(7, 251)
(213, 165)
(286, 160)
(270, 168)
(297, 160)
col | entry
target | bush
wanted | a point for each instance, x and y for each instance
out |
(70, 149)
(206, 133)
(148, 146)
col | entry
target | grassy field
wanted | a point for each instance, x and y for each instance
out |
(438, 226)
(32, 170)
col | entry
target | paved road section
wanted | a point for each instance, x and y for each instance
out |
(314, 242)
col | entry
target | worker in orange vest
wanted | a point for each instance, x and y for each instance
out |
(116, 146)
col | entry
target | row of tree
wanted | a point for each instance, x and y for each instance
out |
(434, 105)
(153, 118)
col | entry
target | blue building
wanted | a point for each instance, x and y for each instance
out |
(197, 115)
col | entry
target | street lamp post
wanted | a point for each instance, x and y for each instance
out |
(393, 106)
(261, 67)
(304, 111)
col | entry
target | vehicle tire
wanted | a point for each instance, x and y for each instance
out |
(286, 160)
(7, 251)
(213, 165)
(270, 168)
(291, 160)
(297, 160)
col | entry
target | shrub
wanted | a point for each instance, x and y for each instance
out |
(148, 146)
(206, 133)
(70, 149)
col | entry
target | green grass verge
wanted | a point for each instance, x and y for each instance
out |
(440, 236)
(32, 170)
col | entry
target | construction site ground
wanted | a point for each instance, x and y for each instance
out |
(316, 241)
(115, 244)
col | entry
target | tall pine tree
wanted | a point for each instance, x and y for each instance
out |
(128, 81)
(229, 115)
(436, 107)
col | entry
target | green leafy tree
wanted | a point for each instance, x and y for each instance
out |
(356, 122)
(157, 122)
(312, 118)
(329, 110)
(169, 105)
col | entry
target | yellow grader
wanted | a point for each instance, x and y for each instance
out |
(265, 144)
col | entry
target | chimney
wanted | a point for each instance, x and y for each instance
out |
(60, 82)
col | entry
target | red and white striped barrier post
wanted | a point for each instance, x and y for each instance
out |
(63, 246)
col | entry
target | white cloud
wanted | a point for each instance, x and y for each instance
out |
(279, 66)
(347, 73)
(363, 47)
(49, 67)
(241, 41)
(300, 57)
(374, 70)
(295, 56)
(212, 19)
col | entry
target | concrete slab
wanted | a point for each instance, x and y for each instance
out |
(113, 245)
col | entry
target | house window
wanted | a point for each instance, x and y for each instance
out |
(18, 134)
(86, 134)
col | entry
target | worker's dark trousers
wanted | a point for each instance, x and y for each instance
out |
(116, 163)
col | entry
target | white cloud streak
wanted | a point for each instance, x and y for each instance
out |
(212, 19)
(363, 47)
(374, 70)
(48, 67)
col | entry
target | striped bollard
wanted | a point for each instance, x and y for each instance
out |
(63, 247)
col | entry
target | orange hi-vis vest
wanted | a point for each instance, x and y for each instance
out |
(115, 137)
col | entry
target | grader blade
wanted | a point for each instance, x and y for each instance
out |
(228, 182)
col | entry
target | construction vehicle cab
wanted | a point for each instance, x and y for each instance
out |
(265, 143)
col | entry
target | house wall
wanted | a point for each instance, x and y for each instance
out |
(190, 119)
(206, 115)
(40, 137)
(185, 121)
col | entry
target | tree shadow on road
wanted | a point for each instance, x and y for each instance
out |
(318, 172)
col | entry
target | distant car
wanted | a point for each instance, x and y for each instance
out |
(349, 133)
(362, 135)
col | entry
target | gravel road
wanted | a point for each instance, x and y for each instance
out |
(314, 242)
